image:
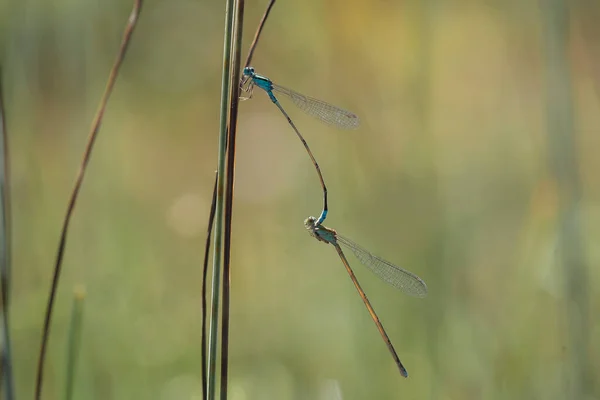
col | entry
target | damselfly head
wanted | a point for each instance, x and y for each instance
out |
(309, 223)
(249, 71)
(311, 226)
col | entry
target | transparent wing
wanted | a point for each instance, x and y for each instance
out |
(325, 112)
(398, 277)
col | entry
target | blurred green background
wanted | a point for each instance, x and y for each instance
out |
(475, 167)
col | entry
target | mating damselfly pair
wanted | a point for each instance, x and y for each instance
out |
(396, 276)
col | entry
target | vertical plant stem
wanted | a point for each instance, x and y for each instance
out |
(5, 251)
(74, 341)
(216, 279)
(112, 78)
(211, 219)
(234, 105)
(564, 167)
(232, 128)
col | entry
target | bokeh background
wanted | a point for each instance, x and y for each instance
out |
(475, 167)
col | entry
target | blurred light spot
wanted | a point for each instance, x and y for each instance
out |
(331, 390)
(187, 215)
(237, 393)
(184, 387)
(264, 380)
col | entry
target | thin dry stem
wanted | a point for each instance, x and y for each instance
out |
(258, 32)
(211, 218)
(234, 99)
(131, 24)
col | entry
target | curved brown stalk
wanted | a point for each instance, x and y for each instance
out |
(129, 28)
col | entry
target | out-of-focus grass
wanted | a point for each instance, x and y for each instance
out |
(74, 338)
(452, 183)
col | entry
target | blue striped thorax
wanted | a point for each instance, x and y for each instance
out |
(261, 81)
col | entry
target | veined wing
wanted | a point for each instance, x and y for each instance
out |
(398, 277)
(326, 112)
